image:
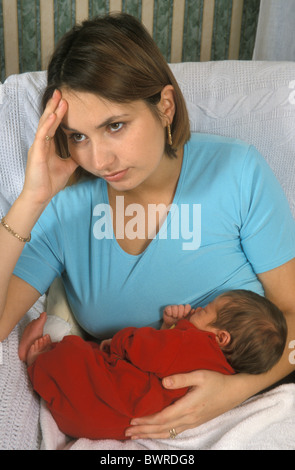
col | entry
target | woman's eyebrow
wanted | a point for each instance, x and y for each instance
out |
(110, 120)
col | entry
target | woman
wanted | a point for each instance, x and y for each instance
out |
(113, 111)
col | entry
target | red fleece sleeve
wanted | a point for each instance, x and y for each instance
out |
(148, 349)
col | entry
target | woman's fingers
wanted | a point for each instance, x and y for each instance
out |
(59, 113)
(46, 172)
(159, 425)
(183, 380)
(199, 405)
(185, 413)
(176, 416)
(149, 432)
(51, 118)
(51, 106)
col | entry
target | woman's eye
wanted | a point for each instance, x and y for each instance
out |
(115, 126)
(77, 138)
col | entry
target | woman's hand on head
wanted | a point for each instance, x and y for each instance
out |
(210, 394)
(46, 172)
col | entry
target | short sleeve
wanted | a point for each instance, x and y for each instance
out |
(42, 258)
(267, 227)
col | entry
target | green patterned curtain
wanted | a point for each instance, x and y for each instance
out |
(27, 34)
(2, 63)
(28, 13)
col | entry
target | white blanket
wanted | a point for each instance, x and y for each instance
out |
(264, 422)
(19, 406)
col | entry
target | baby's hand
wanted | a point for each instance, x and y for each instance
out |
(105, 345)
(173, 313)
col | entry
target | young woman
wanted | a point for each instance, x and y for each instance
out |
(116, 125)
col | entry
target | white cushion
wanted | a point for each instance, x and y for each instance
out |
(252, 101)
(19, 111)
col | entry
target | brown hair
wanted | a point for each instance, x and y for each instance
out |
(258, 331)
(115, 58)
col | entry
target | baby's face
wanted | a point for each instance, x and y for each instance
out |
(203, 317)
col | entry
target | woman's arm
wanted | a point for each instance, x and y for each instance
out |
(211, 393)
(46, 174)
(279, 287)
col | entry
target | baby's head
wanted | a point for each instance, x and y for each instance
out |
(250, 330)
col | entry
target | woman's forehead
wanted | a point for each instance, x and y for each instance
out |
(97, 111)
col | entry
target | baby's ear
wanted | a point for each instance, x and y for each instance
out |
(223, 338)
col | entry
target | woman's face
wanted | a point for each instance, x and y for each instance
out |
(121, 143)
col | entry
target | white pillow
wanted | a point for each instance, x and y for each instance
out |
(252, 101)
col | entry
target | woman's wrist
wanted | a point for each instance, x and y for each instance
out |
(31, 203)
(19, 222)
(13, 233)
(22, 217)
(248, 385)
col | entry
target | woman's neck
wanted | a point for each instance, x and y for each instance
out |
(160, 187)
(158, 192)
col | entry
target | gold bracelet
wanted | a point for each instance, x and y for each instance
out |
(16, 235)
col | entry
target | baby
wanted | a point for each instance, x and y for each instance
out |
(94, 391)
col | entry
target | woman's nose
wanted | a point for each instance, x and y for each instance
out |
(103, 157)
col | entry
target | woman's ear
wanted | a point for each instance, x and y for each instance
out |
(167, 105)
(223, 338)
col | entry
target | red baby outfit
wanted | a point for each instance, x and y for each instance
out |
(94, 395)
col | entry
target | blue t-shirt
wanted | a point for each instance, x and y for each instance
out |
(229, 220)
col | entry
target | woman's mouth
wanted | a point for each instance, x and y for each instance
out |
(114, 177)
